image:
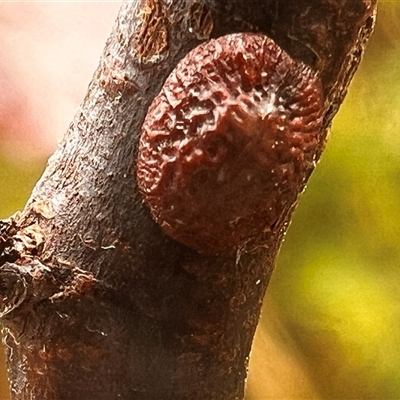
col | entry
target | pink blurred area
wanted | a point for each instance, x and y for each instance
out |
(48, 54)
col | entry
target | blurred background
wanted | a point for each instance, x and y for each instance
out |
(330, 322)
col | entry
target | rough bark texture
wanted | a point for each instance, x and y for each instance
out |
(97, 302)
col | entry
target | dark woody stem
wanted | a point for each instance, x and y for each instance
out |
(97, 301)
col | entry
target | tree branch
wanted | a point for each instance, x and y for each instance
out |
(97, 301)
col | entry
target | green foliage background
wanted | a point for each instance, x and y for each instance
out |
(330, 324)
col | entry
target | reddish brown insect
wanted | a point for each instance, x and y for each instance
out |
(228, 143)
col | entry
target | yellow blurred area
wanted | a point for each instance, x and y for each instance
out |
(329, 327)
(335, 294)
(4, 392)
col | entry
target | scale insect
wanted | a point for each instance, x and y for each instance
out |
(229, 142)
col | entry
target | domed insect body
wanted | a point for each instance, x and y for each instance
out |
(228, 143)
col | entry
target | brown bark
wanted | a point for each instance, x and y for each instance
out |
(97, 302)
